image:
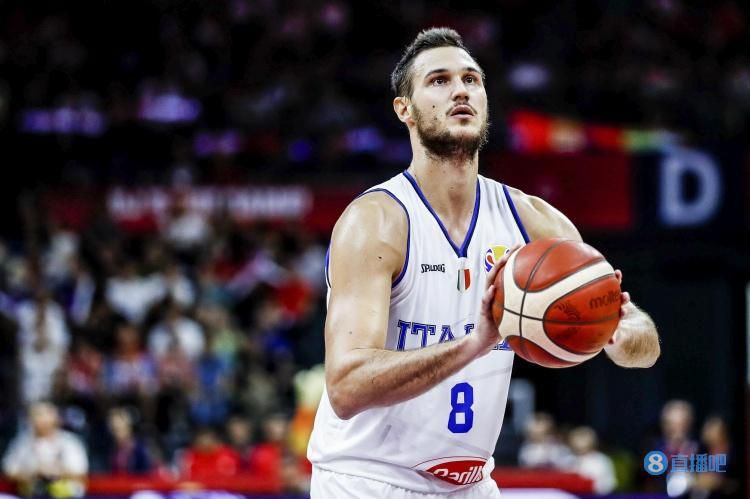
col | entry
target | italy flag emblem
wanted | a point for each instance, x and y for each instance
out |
(464, 275)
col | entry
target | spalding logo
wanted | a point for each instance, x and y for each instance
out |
(461, 472)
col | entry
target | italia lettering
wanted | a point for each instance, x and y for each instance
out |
(419, 335)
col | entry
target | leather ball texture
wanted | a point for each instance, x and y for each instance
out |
(557, 302)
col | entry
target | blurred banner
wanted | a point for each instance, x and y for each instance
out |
(145, 209)
(679, 188)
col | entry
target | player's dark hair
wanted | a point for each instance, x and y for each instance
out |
(401, 78)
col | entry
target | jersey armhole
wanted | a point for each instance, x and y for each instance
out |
(516, 217)
(408, 240)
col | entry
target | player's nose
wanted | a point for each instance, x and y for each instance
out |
(460, 91)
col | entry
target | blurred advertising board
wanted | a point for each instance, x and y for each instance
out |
(144, 210)
(675, 188)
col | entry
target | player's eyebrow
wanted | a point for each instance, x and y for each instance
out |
(444, 70)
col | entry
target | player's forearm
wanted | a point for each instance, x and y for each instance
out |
(370, 377)
(637, 341)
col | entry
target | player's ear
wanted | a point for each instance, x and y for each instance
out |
(402, 109)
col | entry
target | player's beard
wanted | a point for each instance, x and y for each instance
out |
(442, 144)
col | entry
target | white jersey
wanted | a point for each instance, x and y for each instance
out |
(443, 439)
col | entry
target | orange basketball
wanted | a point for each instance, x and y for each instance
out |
(557, 302)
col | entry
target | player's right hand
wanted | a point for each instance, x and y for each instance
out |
(487, 334)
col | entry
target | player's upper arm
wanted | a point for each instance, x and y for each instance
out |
(541, 219)
(368, 248)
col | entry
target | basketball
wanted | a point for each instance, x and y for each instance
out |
(557, 302)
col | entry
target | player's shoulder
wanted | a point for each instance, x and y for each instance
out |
(373, 216)
(540, 218)
(373, 225)
(376, 206)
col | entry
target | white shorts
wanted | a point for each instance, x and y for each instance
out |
(330, 485)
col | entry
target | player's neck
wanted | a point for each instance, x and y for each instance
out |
(448, 184)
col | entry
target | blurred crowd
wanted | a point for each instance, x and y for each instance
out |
(184, 347)
(195, 352)
(237, 89)
(549, 446)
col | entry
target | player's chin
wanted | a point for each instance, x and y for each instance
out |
(466, 133)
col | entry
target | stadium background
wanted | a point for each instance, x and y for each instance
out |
(185, 160)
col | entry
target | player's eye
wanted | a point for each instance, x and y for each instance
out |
(439, 81)
(471, 79)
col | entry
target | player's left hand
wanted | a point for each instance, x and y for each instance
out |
(635, 342)
(624, 300)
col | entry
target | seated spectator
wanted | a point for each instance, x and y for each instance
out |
(675, 439)
(187, 333)
(129, 454)
(223, 338)
(101, 325)
(175, 370)
(208, 457)
(257, 391)
(311, 262)
(178, 286)
(176, 375)
(45, 460)
(133, 295)
(267, 457)
(272, 330)
(721, 483)
(211, 289)
(77, 292)
(239, 430)
(43, 338)
(130, 371)
(273, 457)
(589, 462)
(81, 378)
(676, 425)
(294, 293)
(61, 246)
(715, 437)
(83, 368)
(542, 448)
(211, 398)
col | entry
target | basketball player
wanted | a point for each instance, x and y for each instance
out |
(416, 373)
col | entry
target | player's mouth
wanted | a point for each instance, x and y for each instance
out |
(462, 111)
